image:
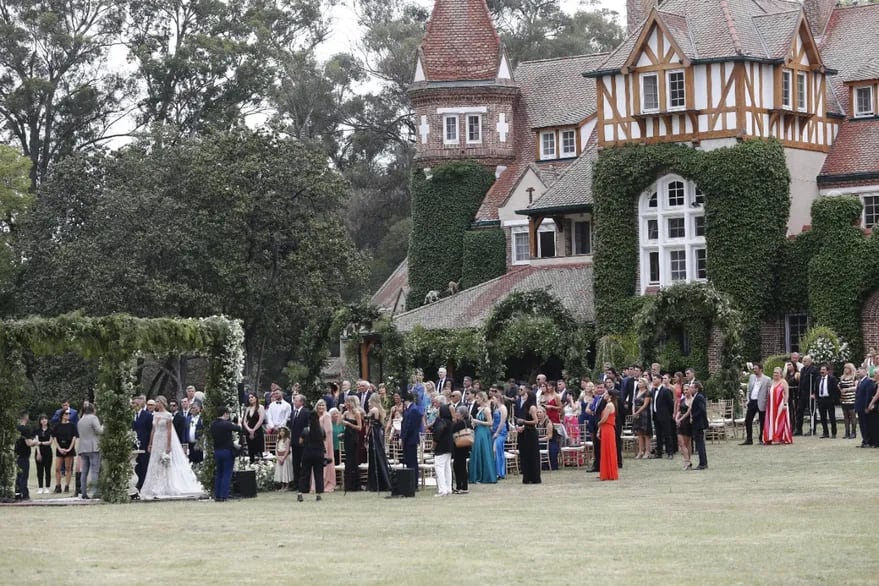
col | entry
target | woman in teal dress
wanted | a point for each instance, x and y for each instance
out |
(482, 464)
(499, 433)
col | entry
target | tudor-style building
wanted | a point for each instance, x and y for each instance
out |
(705, 73)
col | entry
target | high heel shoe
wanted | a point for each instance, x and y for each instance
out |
(688, 466)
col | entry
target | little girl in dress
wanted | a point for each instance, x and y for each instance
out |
(283, 465)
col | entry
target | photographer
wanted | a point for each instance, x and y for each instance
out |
(313, 456)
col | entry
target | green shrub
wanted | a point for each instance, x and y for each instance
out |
(484, 256)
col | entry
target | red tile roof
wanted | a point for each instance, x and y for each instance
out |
(461, 43)
(856, 150)
(498, 193)
(850, 43)
(391, 296)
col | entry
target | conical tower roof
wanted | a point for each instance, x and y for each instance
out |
(461, 43)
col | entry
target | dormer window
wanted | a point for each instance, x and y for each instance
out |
(864, 101)
(786, 81)
(802, 101)
(677, 95)
(474, 129)
(649, 93)
(547, 145)
(450, 126)
(568, 143)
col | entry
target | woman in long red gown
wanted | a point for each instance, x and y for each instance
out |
(777, 428)
(608, 469)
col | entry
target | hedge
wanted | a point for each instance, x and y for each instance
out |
(484, 256)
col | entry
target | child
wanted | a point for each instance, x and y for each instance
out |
(284, 465)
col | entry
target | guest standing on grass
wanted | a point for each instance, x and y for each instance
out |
(326, 422)
(529, 445)
(353, 423)
(460, 421)
(642, 422)
(607, 434)
(378, 476)
(65, 450)
(699, 423)
(499, 432)
(847, 385)
(777, 427)
(313, 442)
(89, 430)
(254, 417)
(222, 431)
(283, 463)
(143, 429)
(863, 393)
(442, 450)
(338, 433)
(684, 426)
(828, 389)
(482, 465)
(758, 397)
(26, 440)
(43, 455)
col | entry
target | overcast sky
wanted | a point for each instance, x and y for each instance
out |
(346, 32)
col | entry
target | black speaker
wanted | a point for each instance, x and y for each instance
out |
(244, 483)
(404, 481)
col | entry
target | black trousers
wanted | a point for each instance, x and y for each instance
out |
(826, 410)
(793, 400)
(312, 467)
(459, 467)
(699, 440)
(596, 448)
(23, 470)
(802, 407)
(44, 468)
(296, 460)
(749, 420)
(619, 431)
(140, 468)
(862, 423)
(664, 439)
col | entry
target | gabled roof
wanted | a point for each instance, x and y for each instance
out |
(555, 92)
(571, 284)
(855, 153)
(573, 188)
(850, 43)
(391, 296)
(718, 29)
(461, 43)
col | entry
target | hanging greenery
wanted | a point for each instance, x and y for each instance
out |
(702, 305)
(116, 341)
(484, 256)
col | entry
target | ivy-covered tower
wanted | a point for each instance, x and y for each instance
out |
(463, 93)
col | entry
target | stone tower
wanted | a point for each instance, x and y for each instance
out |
(463, 94)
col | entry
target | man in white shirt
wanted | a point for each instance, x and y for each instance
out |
(758, 394)
(278, 412)
(828, 387)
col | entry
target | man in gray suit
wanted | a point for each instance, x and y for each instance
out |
(758, 394)
(90, 430)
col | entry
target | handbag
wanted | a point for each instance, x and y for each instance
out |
(463, 438)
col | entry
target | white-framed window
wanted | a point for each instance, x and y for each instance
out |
(802, 102)
(795, 327)
(786, 83)
(871, 209)
(677, 93)
(671, 234)
(521, 247)
(698, 197)
(568, 143)
(864, 101)
(547, 145)
(582, 237)
(474, 128)
(450, 129)
(649, 93)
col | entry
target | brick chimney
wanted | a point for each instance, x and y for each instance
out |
(636, 12)
(817, 14)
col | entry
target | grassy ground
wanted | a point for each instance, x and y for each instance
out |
(805, 513)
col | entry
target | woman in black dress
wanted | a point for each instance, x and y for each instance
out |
(65, 450)
(378, 477)
(44, 455)
(460, 420)
(353, 423)
(253, 420)
(685, 427)
(313, 443)
(529, 447)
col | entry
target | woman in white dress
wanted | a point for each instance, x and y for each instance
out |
(169, 472)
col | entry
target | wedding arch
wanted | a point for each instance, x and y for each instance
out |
(116, 342)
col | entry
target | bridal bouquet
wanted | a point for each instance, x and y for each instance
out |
(166, 460)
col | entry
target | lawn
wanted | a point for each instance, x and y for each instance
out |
(805, 513)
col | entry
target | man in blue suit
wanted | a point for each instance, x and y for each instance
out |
(410, 433)
(143, 428)
(864, 392)
(65, 406)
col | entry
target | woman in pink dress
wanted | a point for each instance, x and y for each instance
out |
(777, 429)
(326, 421)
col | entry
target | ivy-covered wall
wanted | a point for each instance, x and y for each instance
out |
(484, 256)
(747, 203)
(442, 210)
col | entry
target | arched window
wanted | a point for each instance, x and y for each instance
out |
(671, 232)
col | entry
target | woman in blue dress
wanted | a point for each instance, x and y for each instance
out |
(499, 432)
(482, 465)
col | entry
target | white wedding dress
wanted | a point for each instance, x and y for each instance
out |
(174, 478)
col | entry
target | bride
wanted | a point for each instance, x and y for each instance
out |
(168, 472)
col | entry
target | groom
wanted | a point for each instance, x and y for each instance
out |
(143, 428)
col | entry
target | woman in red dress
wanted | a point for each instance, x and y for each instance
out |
(777, 429)
(608, 469)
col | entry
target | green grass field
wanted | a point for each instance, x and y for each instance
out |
(806, 513)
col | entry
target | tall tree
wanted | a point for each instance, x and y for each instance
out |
(56, 92)
(15, 200)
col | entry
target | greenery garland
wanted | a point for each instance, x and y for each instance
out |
(116, 341)
(695, 303)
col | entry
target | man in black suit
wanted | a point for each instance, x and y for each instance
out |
(809, 377)
(143, 428)
(593, 428)
(441, 379)
(699, 421)
(662, 406)
(298, 423)
(828, 386)
(194, 433)
(179, 421)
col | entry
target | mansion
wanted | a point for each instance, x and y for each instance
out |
(703, 73)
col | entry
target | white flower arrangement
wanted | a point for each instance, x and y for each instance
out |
(824, 351)
(165, 459)
(265, 471)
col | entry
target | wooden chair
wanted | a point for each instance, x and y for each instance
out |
(511, 452)
(271, 440)
(630, 442)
